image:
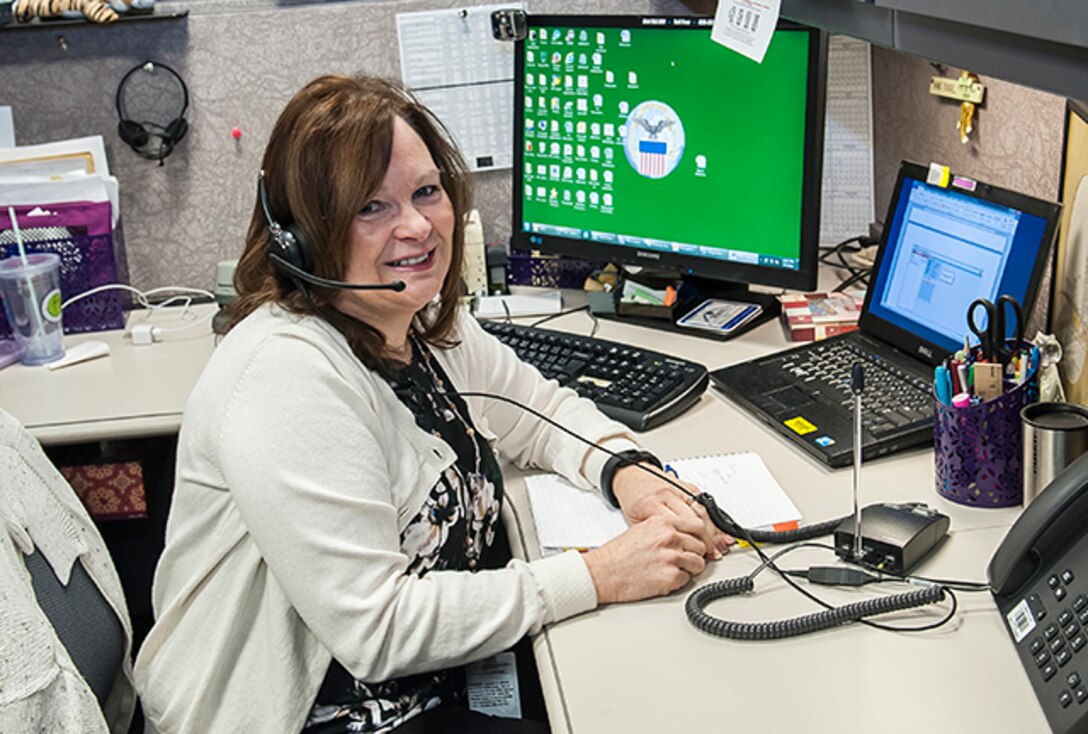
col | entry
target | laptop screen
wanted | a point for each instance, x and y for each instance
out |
(945, 247)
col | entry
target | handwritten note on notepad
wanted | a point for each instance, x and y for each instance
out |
(568, 517)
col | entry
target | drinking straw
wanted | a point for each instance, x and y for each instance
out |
(39, 327)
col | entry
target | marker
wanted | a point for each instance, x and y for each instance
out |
(961, 400)
(942, 385)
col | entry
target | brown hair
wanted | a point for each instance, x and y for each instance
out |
(326, 157)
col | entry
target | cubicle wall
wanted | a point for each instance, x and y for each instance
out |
(242, 59)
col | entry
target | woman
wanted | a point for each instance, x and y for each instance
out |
(335, 555)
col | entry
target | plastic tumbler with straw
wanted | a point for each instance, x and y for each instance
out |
(30, 284)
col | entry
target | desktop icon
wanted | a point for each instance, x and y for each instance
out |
(625, 36)
(609, 77)
(597, 58)
(654, 141)
(632, 79)
(595, 128)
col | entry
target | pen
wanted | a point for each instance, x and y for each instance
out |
(670, 470)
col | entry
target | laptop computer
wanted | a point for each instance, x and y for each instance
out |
(942, 247)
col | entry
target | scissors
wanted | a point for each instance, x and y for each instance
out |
(993, 332)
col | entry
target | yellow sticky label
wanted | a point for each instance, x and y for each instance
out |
(800, 426)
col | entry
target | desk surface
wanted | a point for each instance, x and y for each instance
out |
(135, 391)
(641, 667)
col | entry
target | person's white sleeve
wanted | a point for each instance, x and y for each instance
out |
(305, 462)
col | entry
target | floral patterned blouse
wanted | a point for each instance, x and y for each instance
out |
(458, 529)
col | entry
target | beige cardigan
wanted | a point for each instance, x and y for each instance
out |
(297, 470)
(40, 687)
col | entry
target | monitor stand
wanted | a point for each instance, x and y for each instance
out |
(692, 292)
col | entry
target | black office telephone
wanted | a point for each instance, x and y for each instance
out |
(1039, 580)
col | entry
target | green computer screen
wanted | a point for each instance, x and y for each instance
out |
(658, 138)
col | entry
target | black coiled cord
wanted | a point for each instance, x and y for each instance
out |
(727, 525)
(782, 628)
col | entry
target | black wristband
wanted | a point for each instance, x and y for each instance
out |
(620, 460)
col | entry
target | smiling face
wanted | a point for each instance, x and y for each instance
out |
(405, 232)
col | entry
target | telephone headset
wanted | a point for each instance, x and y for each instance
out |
(289, 253)
(138, 135)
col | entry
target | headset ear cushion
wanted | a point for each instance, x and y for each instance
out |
(132, 133)
(176, 130)
(300, 251)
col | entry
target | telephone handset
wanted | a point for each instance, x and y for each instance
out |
(1039, 581)
(1049, 524)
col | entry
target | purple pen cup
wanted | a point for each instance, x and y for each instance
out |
(978, 453)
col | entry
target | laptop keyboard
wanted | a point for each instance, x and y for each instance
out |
(892, 398)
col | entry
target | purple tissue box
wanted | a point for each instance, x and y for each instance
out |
(85, 262)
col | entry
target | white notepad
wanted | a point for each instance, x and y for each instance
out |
(568, 517)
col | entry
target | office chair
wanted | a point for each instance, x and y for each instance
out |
(65, 635)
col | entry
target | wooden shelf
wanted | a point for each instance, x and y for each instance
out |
(133, 16)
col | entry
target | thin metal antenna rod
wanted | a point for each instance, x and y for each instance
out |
(857, 385)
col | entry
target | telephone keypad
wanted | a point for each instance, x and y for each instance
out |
(1065, 698)
(1051, 631)
(1037, 645)
(1072, 680)
(1067, 576)
(1080, 603)
(1049, 670)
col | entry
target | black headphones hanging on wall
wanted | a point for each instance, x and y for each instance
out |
(140, 135)
(289, 253)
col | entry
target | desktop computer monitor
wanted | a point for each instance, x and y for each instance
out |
(641, 141)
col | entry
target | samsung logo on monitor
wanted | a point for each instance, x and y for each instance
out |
(925, 351)
(648, 255)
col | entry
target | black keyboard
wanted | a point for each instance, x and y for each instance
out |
(894, 398)
(637, 387)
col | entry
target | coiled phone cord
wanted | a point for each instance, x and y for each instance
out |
(782, 628)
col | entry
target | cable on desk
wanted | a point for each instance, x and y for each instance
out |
(856, 273)
(549, 317)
